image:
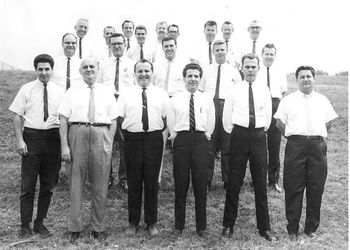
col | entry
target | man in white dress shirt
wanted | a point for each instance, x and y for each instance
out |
(227, 31)
(247, 116)
(128, 31)
(106, 52)
(117, 73)
(218, 81)
(81, 29)
(141, 50)
(191, 122)
(161, 31)
(304, 117)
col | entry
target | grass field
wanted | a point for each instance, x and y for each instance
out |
(333, 230)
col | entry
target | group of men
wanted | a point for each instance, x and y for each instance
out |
(81, 105)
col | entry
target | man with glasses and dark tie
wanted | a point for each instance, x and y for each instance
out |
(273, 76)
(117, 72)
(247, 116)
(142, 109)
(36, 126)
(88, 122)
(142, 50)
(218, 81)
(66, 72)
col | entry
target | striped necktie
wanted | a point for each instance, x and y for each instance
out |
(68, 74)
(192, 115)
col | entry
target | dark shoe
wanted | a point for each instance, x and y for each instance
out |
(311, 235)
(124, 186)
(267, 236)
(40, 229)
(225, 185)
(100, 236)
(73, 236)
(202, 234)
(227, 231)
(293, 236)
(275, 187)
(25, 232)
(209, 186)
(131, 230)
(153, 230)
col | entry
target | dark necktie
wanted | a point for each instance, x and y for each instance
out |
(46, 108)
(116, 79)
(192, 117)
(251, 108)
(128, 46)
(210, 54)
(80, 48)
(141, 53)
(226, 44)
(68, 74)
(254, 47)
(144, 111)
(217, 88)
(91, 111)
(268, 77)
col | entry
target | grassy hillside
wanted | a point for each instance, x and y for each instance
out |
(333, 231)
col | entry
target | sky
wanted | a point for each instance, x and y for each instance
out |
(304, 32)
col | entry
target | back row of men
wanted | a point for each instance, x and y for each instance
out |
(80, 127)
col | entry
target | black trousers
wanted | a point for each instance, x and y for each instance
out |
(220, 141)
(143, 155)
(273, 146)
(118, 139)
(247, 144)
(190, 158)
(43, 160)
(305, 167)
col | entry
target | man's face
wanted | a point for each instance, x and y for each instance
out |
(169, 48)
(89, 70)
(140, 35)
(250, 69)
(192, 80)
(43, 72)
(268, 56)
(254, 32)
(107, 34)
(81, 28)
(305, 81)
(220, 51)
(161, 30)
(128, 29)
(227, 31)
(69, 45)
(143, 74)
(117, 46)
(210, 32)
(173, 32)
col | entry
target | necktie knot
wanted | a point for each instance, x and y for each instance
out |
(68, 58)
(45, 84)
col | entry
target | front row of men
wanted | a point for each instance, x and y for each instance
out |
(88, 119)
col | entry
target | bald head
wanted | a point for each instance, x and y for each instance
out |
(89, 70)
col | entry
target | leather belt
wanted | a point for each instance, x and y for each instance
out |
(90, 124)
(306, 137)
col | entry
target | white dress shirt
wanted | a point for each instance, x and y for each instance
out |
(175, 83)
(232, 50)
(179, 114)
(229, 75)
(305, 114)
(278, 80)
(200, 53)
(130, 108)
(236, 108)
(106, 75)
(75, 104)
(60, 71)
(29, 103)
(246, 46)
(134, 52)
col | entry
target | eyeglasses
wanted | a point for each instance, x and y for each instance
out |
(255, 27)
(73, 43)
(116, 44)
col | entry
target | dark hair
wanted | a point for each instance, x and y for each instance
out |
(143, 61)
(210, 23)
(173, 25)
(117, 35)
(193, 66)
(168, 38)
(128, 21)
(269, 46)
(140, 27)
(43, 58)
(218, 42)
(305, 67)
(250, 56)
(76, 39)
(227, 22)
(108, 27)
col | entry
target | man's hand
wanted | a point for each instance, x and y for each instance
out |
(22, 148)
(66, 154)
